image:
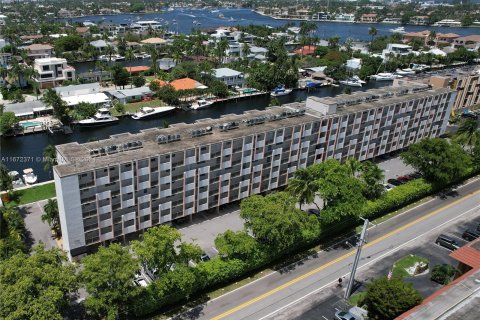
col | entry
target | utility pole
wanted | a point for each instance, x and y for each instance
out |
(357, 258)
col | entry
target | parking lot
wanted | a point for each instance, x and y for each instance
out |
(326, 302)
(37, 231)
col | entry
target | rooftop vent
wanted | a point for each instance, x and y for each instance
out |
(201, 131)
(228, 126)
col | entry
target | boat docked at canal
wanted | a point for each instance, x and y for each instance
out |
(280, 91)
(108, 58)
(103, 117)
(405, 72)
(201, 104)
(354, 81)
(385, 76)
(148, 112)
(400, 30)
(29, 177)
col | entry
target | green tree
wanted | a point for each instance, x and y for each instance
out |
(168, 94)
(237, 245)
(52, 216)
(49, 157)
(304, 186)
(218, 88)
(37, 286)
(71, 42)
(372, 178)
(5, 179)
(108, 277)
(438, 160)
(275, 222)
(468, 133)
(60, 109)
(129, 56)
(8, 121)
(120, 75)
(84, 110)
(119, 107)
(159, 246)
(138, 81)
(220, 50)
(387, 299)
(372, 32)
(12, 229)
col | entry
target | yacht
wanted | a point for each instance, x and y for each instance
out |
(352, 82)
(398, 30)
(215, 11)
(405, 72)
(146, 112)
(101, 118)
(202, 103)
(280, 91)
(113, 57)
(385, 76)
(29, 177)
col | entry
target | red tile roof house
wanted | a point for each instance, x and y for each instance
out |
(465, 287)
(472, 41)
(305, 50)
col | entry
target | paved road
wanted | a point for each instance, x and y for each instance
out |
(268, 296)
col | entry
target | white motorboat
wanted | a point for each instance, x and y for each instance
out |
(405, 72)
(113, 57)
(146, 112)
(398, 30)
(201, 104)
(280, 91)
(357, 78)
(103, 117)
(29, 177)
(352, 82)
(385, 76)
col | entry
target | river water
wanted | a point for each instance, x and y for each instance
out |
(21, 152)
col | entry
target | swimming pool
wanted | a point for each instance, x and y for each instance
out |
(30, 124)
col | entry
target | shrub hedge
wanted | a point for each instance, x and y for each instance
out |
(172, 288)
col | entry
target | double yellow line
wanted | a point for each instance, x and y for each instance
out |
(343, 257)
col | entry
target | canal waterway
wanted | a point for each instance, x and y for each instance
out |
(182, 21)
(22, 152)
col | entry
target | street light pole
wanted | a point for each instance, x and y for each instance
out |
(357, 258)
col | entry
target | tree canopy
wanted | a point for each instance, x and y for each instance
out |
(8, 120)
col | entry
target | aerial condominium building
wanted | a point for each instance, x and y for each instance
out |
(111, 190)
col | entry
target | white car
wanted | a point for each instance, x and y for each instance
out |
(345, 315)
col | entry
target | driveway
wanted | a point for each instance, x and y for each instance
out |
(37, 231)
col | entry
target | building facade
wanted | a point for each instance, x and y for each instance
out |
(113, 189)
(52, 71)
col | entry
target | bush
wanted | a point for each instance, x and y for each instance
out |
(442, 273)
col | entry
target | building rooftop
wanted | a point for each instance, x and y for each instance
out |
(80, 158)
(50, 60)
(39, 46)
(137, 69)
(75, 89)
(154, 41)
(95, 98)
(226, 72)
(26, 108)
(130, 92)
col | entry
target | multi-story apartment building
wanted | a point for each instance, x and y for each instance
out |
(52, 71)
(465, 83)
(111, 190)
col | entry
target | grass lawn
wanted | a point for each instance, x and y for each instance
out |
(354, 298)
(406, 262)
(29, 195)
(135, 106)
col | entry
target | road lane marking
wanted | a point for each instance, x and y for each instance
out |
(341, 258)
(370, 262)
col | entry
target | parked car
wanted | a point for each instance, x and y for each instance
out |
(204, 257)
(447, 242)
(387, 186)
(315, 212)
(416, 175)
(470, 115)
(394, 182)
(470, 235)
(345, 315)
(404, 179)
(140, 281)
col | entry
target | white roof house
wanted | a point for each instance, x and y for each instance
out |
(126, 95)
(99, 44)
(229, 76)
(354, 63)
(79, 89)
(27, 109)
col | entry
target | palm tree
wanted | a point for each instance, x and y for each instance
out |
(50, 157)
(304, 187)
(220, 49)
(129, 56)
(432, 38)
(52, 216)
(100, 66)
(354, 166)
(152, 51)
(372, 32)
(245, 50)
(109, 51)
(468, 133)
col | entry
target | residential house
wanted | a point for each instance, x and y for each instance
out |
(89, 93)
(419, 35)
(419, 20)
(28, 109)
(52, 71)
(306, 51)
(345, 17)
(107, 27)
(396, 49)
(156, 42)
(128, 95)
(445, 38)
(137, 69)
(166, 64)
(369, 18)
(182, 84)
(470, 42)
(257, 53)
(78, 89)
(39, 50)
(354, 63)
(64, 13)
(83, 32)
(230, 77)
(99, 45)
